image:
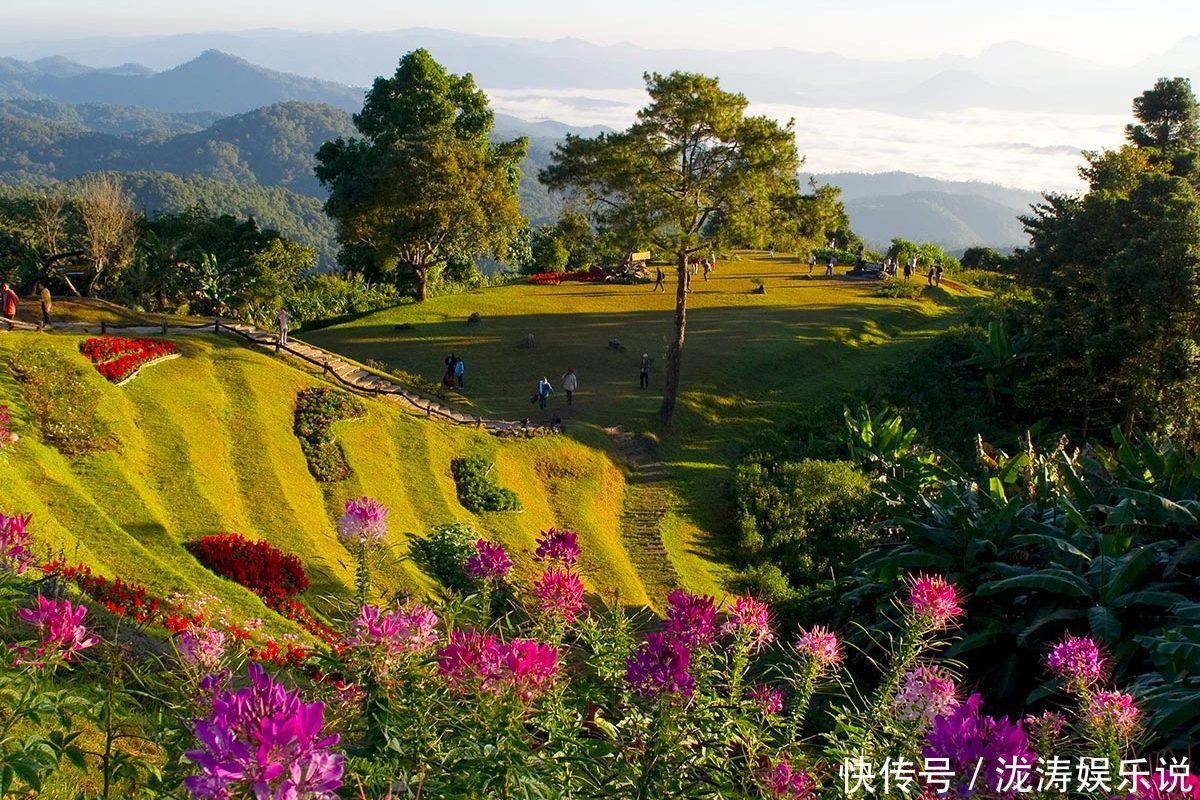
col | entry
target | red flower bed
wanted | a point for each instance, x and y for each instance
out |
(546, 278)
(121, 598)
(268, 572)
(117, 358)
(584, 276)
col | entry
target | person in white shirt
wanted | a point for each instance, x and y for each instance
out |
(570, 382)
(282, 320)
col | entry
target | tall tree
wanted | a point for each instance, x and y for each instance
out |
(1116, 281)
(692, 171)
(111, 223)
(423, 184)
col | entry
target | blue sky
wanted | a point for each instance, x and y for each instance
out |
(1106, 31)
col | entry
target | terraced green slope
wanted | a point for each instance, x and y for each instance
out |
(205, 444)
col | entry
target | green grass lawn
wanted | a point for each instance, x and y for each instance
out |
(750, 361)
(205, 444)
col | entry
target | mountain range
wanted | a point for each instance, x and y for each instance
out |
(221, 130)
(1008, 75)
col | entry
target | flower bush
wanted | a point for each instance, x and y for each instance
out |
(711, 701)
(270, 573)
(64, 404)
(317, 408)
(118, 359)
(8, 437)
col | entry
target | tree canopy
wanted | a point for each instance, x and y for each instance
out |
(423, 185)
(692, 172)
(1116, 276)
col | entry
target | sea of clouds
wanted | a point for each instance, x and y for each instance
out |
(1029, 150)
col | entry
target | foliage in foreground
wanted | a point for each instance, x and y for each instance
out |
(551, 698)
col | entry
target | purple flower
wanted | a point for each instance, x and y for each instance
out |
(61, 627)
(934, 600)
(690, 618)
(201, 646)
(490, 562)
(768, 700)
(1077, 661)
(925, 693)
(784, 782)
(556, 545)
(820, 646)
(660, 666)
(14, 544)
(559, 592)
(365, 521)
(1115, 710)
(410, 629)
(261, 741)
(750, 621)
(967, 738)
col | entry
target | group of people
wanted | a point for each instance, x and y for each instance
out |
(829, 264)
(695, 266)
(10, 301)
(570, 383)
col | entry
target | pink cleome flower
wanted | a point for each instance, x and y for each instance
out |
(1045, 726)
(202, 646)
(925, 694)
(785, 782)
(409, 629)
(768, 700)
(365, 521)
(476, 662)
(555, 545)
(263, 741)
(750, 620)
(559, 592)
(660, 666)
(61, 626)
(821, 646)
(1077, 660)
(15, 556)
(1116, 709)
(934, 599)
(690, 618)
(490, 561)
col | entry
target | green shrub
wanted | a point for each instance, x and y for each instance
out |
(808, 517)
(61, 400)
(444, 553)
(324, 297)
(477, 489)
(899, 289)
(986, 279)
(316, 411)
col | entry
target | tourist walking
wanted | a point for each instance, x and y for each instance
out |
(644, 371)
(659, 279)
(460, 369)
(929, 277)
(937, 275)
(829, 266)
(909, 268)
(8, 304)
(281, 320)
(707, 269)
(544, 390)
(812, 263)
(570, 384)
(451, 361)
(46, 302)
(771, 250)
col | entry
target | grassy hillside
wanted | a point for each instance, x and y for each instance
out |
(205, 444)
(752, 361)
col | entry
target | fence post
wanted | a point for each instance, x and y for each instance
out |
(103, 327)
(216, 324)
(164, 326)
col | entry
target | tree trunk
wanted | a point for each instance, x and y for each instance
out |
(675, 351)
(422, 276)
